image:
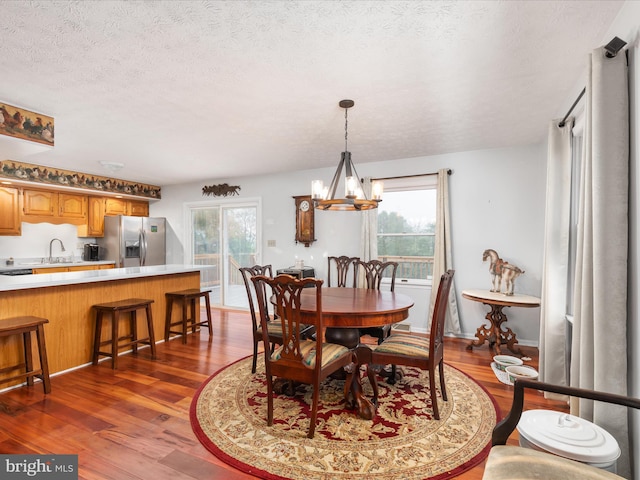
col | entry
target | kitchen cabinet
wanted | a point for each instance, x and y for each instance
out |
(10, 223)
(54, 207)
(37, 271)
(39, 203)
(115, 206)
(138, 209)
(101, 206)
(87, 212)
(95, 218)
(120, 206)
(69, 268)
(72, 205)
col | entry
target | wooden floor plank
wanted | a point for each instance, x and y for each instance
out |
(133, 423)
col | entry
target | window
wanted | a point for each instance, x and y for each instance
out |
(407, 226)
(224, 235)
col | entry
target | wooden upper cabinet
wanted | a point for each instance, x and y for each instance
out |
(19, 205)
(10, 223)
(120, 206)
(72, 205)
(115, 206)
(138, 209)
(54, 207)
(39, 203)
(94, 227)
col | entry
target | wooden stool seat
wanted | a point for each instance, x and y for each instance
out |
(131, 306)
(25, 325)
(187, 298)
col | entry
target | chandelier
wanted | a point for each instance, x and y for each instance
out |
(354, 197)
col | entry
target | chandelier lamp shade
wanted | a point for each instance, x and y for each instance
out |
(324, 198)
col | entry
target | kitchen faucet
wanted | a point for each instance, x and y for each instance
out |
(51, 247)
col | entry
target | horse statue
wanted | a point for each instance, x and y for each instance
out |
(501, 272)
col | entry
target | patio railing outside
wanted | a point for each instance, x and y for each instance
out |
(412, 267)
(211, 276)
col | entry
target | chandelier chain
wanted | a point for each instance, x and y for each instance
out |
(345, 129)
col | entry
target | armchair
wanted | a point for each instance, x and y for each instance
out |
(504, 460)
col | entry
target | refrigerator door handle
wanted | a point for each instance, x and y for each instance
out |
(143, 248)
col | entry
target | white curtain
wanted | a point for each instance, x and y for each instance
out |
(553, 305)
(599, 346)
(442, 254)
(369, 232)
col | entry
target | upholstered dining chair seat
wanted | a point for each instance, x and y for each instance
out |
(407, 345)
(330, 352)
(509, 462)
(505, 461)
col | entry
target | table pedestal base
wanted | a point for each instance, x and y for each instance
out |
(350, 338)
(494, 334)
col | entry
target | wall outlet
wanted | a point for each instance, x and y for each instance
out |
(271, 243)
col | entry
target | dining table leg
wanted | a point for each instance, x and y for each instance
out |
(350, 338)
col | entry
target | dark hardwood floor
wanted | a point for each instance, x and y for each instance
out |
(133, 423)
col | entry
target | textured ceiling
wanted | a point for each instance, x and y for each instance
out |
(188, 90)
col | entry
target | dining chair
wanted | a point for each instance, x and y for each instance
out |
(341, 265)
(374, 271)
(273, 328)
(415, 351)
(299, 359)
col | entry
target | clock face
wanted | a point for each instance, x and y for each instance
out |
(304, 205)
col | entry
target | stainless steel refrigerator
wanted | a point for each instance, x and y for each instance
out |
(134, 241)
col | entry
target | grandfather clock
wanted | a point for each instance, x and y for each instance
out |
(304, 220)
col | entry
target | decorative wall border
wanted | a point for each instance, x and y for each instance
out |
(26, 125)
(67, 178)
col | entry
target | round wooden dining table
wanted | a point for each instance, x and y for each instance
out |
(346, 310)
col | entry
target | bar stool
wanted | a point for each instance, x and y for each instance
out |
(25, 325)
(188, 300)
(131, 306)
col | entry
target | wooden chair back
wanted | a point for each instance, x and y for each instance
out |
(417, 351)
(298, 359)
(436, 332)
(374, 271)
(341, 265)
(252, 294)
(247, 273)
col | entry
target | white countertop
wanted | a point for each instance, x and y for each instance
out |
(40, 264)
(9, 283)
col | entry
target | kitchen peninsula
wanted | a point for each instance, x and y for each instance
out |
(65, 299)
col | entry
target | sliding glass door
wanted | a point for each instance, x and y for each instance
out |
(224, 236)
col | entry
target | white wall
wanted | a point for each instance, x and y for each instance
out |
(497, 201)
(35, 238)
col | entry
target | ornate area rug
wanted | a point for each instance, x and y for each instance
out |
(228, 415)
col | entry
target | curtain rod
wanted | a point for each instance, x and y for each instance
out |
(449, 172)
(612, 48)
